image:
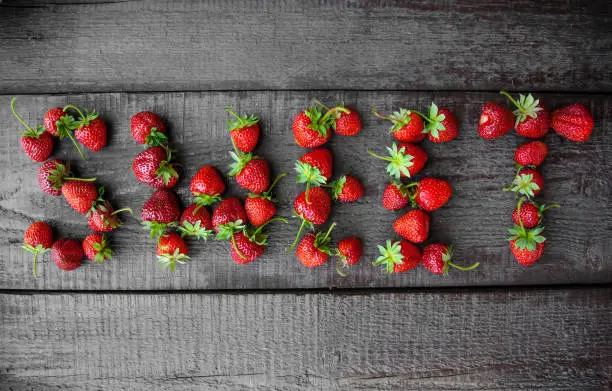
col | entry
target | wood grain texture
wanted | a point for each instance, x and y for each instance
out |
(534, 339)
(66, 46)
(475, 220)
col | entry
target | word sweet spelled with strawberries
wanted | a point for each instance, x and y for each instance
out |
(242, 224)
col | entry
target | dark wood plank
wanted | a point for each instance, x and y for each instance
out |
(65, 46)
(534, 339)
(476, 219)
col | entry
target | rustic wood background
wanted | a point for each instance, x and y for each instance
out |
(273, 324)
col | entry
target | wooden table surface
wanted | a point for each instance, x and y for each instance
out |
(273, 324)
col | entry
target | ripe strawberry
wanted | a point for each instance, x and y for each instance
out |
(346, 189)
(311, 127)
(247, 247)
(407, 125)
(35, 142)
(405, 161)
(96, 248)
(395, 196)
(314, 249)
(260, 208)
(312, 213)
(160, 212)
(530, 213)
(251, 172)
(89, 129)
(314, 168)
(531, 153)
(574, 122)
(228, 218)
(349, 251)
(80, 194)
(60, 124)
(154, 167)
(437, 258)
(432, 193)
(103, 217)
(398, 257)
(528, 182)
(148, 128)
(67, 254)
(532, 117)
(171, 249)
(495, 121)
(51, 119)
(413, 226)
(51, 175)
(244, 131)
(441, 124)
(37, 239)
(527, 246)
(207, 186)
(196, 222)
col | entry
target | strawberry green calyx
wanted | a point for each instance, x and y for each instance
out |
(240, 159)
(399, 119)
(35, 250)
(169, 261)
(320, 122)
(337, 186)
(156, 138)
(526, 238)
(241, 121)
(156, 228)
(103, 250)
(323, 240)
(205, 199)
(334, 113)
(305, 223)
(399, 161)
(196, 230)
(166, 170)
(226, 231)
(446, 258)
(97, 202)
(434, 121)
(310, 175)
(65, 127)
(390, 255)
(523, 184)
(527, 106)
(84, 118)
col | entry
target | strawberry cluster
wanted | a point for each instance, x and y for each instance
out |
(425, 196)
(311, 129)
(531, 119)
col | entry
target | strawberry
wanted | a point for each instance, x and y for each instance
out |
(346, 189)
(67, 254)
(431, 194)
(532, 117)
(103, 217)
(398, 257)
(437, 258)
(37, 239)
(251, 172)
(345, 122)
(314, 249)
(407, 125)
(527, 182)
(530, 213)
(247, 247)
(148, 128)
(405, 161)
(311, 127)
(244, 131)
(228, 218)
(413, 226)
(171, 249)
(395, 196)
(96, 248)
(60, 124)
(441, 124)
(260, 208)
(207, 186)
(154, 167)
(531, 153)
(89, 129)
(51, 175)
(81, 194)
(312, 212)
(35, 142)
(527, 246)
(51, 119)
(314, 168)
(495, 121)
(349, 251)
(196, 222)
(160, 212)
(573, 122)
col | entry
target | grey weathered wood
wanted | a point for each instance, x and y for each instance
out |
(534, 339)
(50, 46)
(476, 219)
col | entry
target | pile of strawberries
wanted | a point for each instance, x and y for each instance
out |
(81, 194)
(425, 196)
(532, 120)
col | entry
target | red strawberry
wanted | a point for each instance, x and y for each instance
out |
(244, 131)
(314, 249)
(395, 196)
(441, 125)
(148, 128)
(171, 249)
(51, 175)
(251, 172)
(527, 246)
(432, 193)
(96, 248)
(196, 222)
(67, 254)
(160, 212)
(89, 129)
(229, 217)
(35, 142)
(314, 212)
(349, 250)
(207, 186)
(345, 122)
(407, 125)
(346, 189)
(528, 182)
(398, 257)
(413, 226)
(314, 168)
(247, 247)
(80, 194)
(574, 122)
(495, 121)
(51, 118)
(103, 217)
(531, 153)
(404, 161)
(437, 258)
(311, 127)
(37, 239)
(154, 167)
(532, 117)
(530, 213)
(60, 124)
(260, 208)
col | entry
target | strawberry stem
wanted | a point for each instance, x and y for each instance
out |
(329, 231)
(521, 108)
(381, 116)
(341, 264)
(84, 118)
(35, 259)
(426, 118)
(233, 113)
(236, 246)
(80, 179)
(380, 157)
(306, 192)
(122, 210)
(315, 100)
(258, 230)
(297, 236)
(71, 137)
(278, 178)
(331, 111)
(472, 267)
(550, 206)
(28, 127)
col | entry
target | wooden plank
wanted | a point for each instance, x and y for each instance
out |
(476, 219)
(534, 339)
(51, 46)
